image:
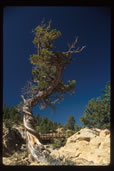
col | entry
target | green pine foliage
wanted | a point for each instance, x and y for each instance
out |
(70, 124)
(11, 115)
(45, 63)
(57, 143)
(44, 125)
(97, 112)
(44, 70)
(5, 111)
(107, 93)
(77, 128)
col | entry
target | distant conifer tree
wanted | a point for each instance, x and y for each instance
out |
(97, 112)
(70, 124)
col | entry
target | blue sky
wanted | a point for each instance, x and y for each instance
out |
(91, 69)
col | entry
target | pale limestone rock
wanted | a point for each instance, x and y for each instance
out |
(84, 134)
(83, 161)
(87, 147)
(96, 129)
(104, 132)
(96, 142)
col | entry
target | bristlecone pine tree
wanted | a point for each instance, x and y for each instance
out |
(47, 86)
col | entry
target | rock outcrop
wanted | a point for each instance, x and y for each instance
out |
(12, 141)
(86, 147)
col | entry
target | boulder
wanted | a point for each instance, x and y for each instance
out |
(12, 140)
(21, 130)
(86, 147)
(85, 134)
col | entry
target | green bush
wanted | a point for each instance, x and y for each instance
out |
(57, 143)
(97, 112)
(69, 133)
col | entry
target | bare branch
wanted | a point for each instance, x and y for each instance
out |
(27, 90)
(73, 44)
(77, 50)
(23, 99)
(44, 93)
(71, 47)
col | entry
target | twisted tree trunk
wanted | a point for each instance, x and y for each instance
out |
(35, 147)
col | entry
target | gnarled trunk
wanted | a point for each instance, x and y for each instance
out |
(35, 147)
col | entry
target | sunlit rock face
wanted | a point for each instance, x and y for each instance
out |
(86, 147)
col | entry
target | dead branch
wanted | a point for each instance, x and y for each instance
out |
(72, 46)
(23, 99)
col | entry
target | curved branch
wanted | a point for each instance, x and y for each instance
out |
(71, 51)
(41, 94)
(33, 140)
(23, 99)
(75, 51)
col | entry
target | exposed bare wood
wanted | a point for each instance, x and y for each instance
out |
(41, 94)
(35, 146)
(72, 49)
(34, 143)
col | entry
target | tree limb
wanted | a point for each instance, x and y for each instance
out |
(75, 51)
(71, 51)
(23, 99)
(41, 94)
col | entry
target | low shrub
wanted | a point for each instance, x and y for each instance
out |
(57, 143)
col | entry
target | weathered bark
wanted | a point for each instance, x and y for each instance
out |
(35, 147)
(42, 94)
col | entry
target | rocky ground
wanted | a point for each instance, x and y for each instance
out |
(86, 147)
